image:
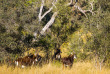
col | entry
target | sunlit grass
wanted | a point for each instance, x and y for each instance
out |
(51, 68)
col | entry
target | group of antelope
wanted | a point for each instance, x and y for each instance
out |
(34, 59)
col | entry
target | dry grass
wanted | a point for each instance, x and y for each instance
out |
(78, 68)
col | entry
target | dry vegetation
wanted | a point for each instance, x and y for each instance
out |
(78, 68)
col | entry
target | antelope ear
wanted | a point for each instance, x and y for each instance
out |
(75, 57)
(71, 53)
(36, 59)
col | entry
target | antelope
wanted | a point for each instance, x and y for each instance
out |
(27, 60)
(57, 55)
(68, 61)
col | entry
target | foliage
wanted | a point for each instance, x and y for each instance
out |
(86, 36)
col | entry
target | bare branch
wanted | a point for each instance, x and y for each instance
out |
(84, 11)
(41, 8)
(45, 13)
(80, 9)
(92, 8)
(71, 3)
(91, 5)
(49, 23)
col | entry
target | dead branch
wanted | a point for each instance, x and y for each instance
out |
(80, 9)
(84, 11)
(90, 10)
(41, 8)
(49, 23)
(71, 3)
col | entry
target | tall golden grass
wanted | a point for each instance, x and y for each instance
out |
(78, 68)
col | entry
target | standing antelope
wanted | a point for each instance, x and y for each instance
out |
(68, 61)
(57, 55)
(28, 60)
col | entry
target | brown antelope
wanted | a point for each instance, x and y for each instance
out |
(57, 54)
(68, 61)
(28, 60)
